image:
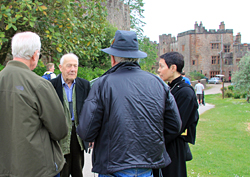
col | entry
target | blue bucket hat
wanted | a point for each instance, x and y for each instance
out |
(125, 45)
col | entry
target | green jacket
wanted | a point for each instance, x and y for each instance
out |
(65, 142)
(32, 121)
(80, 93)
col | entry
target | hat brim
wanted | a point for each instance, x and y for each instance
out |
(125, 53)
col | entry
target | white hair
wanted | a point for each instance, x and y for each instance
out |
(25, 44)
(67, 55)
(121, 59)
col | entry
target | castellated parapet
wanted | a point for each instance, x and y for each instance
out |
(200, 29)
(118, 14)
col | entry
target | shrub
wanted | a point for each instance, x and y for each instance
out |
(196, 76)
(39, 70)
(89, 74)
(83, 72)
(244, 95)
(225, 88)
(1, 67)
(228, 93)
(237, 95)
(230, 87)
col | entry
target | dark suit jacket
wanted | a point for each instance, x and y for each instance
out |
(82, 88)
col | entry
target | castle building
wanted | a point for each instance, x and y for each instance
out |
(118, 14)
(208, 52)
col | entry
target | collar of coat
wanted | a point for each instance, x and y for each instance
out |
(18, 64)
(176, 81)
(121, 65)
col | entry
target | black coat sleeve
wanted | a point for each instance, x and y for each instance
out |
(172, 121)
(187, 105)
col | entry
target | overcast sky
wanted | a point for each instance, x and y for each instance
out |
(173, 17)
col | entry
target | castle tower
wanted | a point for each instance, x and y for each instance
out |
(222, 25)
(238, 38)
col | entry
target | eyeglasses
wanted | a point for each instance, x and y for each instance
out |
(40, 55)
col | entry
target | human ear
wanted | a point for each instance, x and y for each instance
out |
(113, 62)
(173, 68)
(35, 55)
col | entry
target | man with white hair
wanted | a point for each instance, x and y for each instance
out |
(72, 92)
(32, 118)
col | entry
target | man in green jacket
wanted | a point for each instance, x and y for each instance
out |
(32, 117)
(72, 92)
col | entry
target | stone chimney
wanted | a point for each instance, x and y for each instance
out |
(195, 25)
(238, 38)
(222, 26)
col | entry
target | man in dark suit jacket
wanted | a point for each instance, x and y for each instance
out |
(72, 92)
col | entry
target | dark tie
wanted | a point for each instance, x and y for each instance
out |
(71, 108)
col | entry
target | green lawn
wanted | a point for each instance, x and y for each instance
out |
(222, 146)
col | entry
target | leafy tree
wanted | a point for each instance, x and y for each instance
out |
(63, 25)
(136, 14)
(103, 59)
(148, 63)
(241, 78)
(136, 24)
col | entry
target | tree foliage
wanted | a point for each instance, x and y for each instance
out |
(136, 15)
(63, 25)
(241, 78)
(136, 24)
(70, 26)
(148, 63)
(103, 59)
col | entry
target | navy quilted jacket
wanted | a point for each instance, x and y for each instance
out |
(126, 114)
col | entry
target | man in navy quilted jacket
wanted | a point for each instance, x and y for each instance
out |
(127, 113)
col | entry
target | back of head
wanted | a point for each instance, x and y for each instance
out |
(174, 58)
(183, 73)
(49, 66)
(25, 44)
(122, 59)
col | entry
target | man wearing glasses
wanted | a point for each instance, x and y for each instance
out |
(32, 117)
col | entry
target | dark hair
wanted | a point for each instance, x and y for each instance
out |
(174, 58)
(183, 73)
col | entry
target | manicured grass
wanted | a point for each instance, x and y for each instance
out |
(222, 146)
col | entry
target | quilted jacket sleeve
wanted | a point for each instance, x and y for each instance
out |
(90, 119)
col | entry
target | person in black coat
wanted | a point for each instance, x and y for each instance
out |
(126, 114)
(72, 92)
(170, 68)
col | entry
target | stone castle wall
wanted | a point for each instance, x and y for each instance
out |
(118, 14)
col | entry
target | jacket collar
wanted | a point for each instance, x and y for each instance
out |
(122, 65)
(18, 64)
(175, 81)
